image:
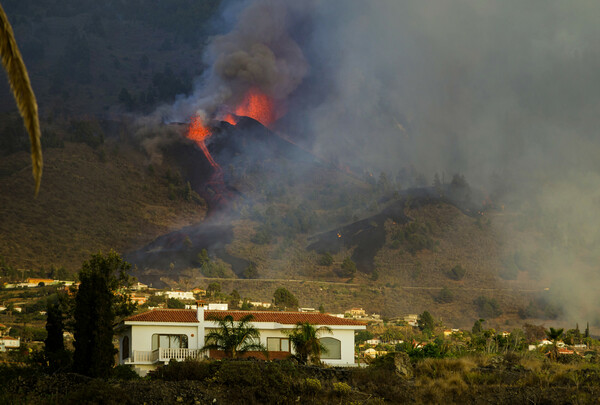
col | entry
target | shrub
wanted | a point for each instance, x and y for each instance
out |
(348, 268)
(457, 272)
(326, 259)
(312, 385)
(185, 370)
(445, 296)
(123, 372)
(487, 307)
(342, 389)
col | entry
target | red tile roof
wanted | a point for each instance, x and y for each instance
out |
(287, 318)
(165, 315)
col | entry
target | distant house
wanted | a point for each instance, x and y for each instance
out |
(9, 342)
(36, 282)
(374, 341)
(449, 332)
(138, 299)
(139, 286)
(357, 312)
(412, 319)
(152, 338)
(260, 304)
(372, 353)
(211, 306)
(180, 295)
(199, 291)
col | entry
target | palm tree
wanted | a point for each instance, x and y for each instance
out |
(554, 335)
(234, 338)
(305, 341)
(23, 93)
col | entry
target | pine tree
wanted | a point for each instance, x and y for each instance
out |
(96, 306)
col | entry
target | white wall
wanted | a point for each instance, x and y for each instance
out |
(141, 335)
(345, 336)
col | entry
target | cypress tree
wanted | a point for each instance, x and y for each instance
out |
(95, 309)
(54, 346)
(587, 330)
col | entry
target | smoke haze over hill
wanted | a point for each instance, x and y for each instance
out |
(504, 92)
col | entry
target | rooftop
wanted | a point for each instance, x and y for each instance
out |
(287, 318)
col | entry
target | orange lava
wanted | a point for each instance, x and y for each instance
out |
(257, 105)
(230, 118)
(198, 132)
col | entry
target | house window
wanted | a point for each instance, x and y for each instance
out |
(125, 347)
(278, 344)
(333, 348)
(169, 341)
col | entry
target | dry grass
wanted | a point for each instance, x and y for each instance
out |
(88, 205)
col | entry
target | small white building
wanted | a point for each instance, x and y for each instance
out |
(260, 304)
(9, 342)
(153, 338)
(180, 295)
(139, 286)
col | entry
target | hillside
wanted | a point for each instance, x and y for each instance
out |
(90, 200)
(286, 212)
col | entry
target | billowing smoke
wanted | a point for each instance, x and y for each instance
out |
(505, 92)
(258, 53)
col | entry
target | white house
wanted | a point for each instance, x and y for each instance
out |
(8, 342)
(180, 295)
(153, 338)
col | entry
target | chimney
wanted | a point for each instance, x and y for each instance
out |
(199, 311)
(200, 316)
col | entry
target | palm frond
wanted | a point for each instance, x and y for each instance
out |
(23, 93)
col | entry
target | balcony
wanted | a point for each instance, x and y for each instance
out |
(163, 354)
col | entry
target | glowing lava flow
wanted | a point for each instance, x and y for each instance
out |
(198, 132)
(255, 105)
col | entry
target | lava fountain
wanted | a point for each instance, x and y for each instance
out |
(256, 105)
(198, 132)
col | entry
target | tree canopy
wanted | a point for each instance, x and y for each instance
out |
(304, 338)
(284, 299)
(96, 306)
(234, 338)
(426, 322)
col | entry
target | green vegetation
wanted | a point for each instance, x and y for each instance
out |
(234, 338)
(96, 306)
(415, 236)
(304, 338)
(326, 259)
(426, 323)
(487, 307)
(457, 272)
(282, 298)
(445, 296)
(174, 303)
(348, 268)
